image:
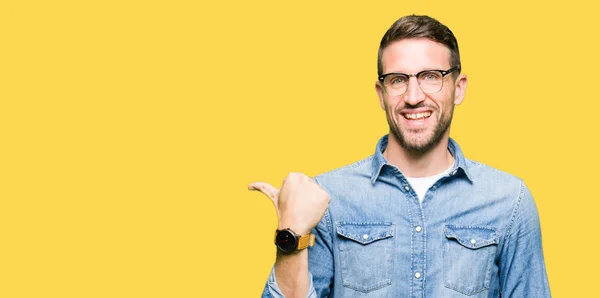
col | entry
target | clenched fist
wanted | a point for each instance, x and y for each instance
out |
(300, 203)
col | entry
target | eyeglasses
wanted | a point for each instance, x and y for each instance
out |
(430, 81)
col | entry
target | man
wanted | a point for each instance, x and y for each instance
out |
(416, 219)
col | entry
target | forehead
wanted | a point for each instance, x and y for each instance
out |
(415, 54)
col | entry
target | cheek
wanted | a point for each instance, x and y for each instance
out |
(389, 110)
(443, 102)
(392, 107)
(393, 103)
(387, 103)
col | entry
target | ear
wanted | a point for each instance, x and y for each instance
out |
(380, 91)
(460, 86)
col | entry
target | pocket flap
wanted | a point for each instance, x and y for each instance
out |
(365, 233)
(472, 237)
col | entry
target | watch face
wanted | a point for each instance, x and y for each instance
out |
(286, 241)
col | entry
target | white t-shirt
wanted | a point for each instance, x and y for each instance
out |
(422, 184)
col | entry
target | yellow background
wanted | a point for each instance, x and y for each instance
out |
(130, 129)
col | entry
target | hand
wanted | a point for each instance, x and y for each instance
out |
(300, 204)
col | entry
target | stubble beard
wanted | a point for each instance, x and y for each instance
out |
(415, 142)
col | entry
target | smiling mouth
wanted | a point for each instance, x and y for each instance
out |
(417, 116)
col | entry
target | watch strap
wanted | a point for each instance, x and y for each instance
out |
(306, 241)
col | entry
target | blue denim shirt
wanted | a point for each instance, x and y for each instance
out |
(476, 234)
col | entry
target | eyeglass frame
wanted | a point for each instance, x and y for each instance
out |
(416, 75)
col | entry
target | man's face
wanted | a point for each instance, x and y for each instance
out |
(419, 120)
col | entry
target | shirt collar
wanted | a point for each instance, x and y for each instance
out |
(460, 164)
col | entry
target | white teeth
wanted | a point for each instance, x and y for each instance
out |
(418, 115)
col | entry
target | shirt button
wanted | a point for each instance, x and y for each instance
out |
(418, 229)
(407, 188)
(473, 241)
(365, 236)
(434, 187)
(418, 275)
(453, 172)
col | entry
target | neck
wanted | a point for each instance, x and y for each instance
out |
(419, 164)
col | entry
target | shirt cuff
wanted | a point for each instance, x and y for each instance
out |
(276, 292)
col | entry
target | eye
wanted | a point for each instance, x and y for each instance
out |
(397, 80)
(430, 76)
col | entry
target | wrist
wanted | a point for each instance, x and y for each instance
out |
(298, 229)
(288, 241)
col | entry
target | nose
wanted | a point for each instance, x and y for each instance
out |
(414, 94)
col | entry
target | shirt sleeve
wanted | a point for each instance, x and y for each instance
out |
(320, 263)
(272, 290)
(522, 268)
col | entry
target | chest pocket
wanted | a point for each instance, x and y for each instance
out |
(469, 254)
(366, 255)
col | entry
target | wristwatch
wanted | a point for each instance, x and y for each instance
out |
(287, 241)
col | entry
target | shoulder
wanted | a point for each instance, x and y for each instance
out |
(496, 186)
(486, 175)
(360, 170)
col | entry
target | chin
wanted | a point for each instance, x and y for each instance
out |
(419, 146)
(419, 142)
